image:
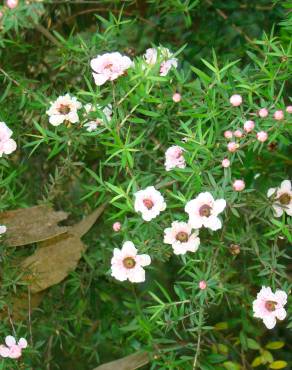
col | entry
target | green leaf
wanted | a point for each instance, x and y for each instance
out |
(252, 344)
(278, 365)
(275, 345)
(257, 361)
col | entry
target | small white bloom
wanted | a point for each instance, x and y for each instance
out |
(126, 264)
(92, 125)
(168, 61)
(7, 145)
(3, 229)
(149, 202)
(282, 198)
(64, 109)
(203, 211)
(269, 306)
(180, 236)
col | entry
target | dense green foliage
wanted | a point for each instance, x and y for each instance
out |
(223, 48)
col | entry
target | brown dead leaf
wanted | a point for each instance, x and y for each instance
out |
(132, 362)
(55, 258)
(30, 225)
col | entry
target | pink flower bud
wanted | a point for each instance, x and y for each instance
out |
(279, 115)
(237, 133)
(238, 185)
(117, 226)
(232, 146)
(176, 97)
(289, 109)
(228, 134)
(235, 100)
(202, 284)
(1, 14)
(225, 163)
(262, 136)
(263, 112)
(248, 126)
(12, 4)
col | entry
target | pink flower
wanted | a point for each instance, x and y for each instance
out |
(12, 3)
(149, 202)
(203, 211)
(263, 112)
(225, 163)
(238, 185)
(228, 134)
(289, 109)
(202, 285)
(117, 226)
(282, 198)
(262, 136)
(279, 115)
(167, 65)
(126, 264)
(3, 229)
(7, 145)
(238, 133)
(168, 61)
(12, 349)
(235, 100)
(180, 236)
(176, 97)
(174, 158)
(269, 306)
(64, 109)
(232, 146)
(109, 66)
(150, 56)
(248, 126)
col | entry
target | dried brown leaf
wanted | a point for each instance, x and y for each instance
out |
(132, 362)
(30, 225)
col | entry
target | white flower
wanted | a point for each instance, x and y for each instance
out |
(149, 202)
(64, 109)
(203, 211)
(174, 158)
(126, 264)
(12, 349)
(109, 66)
(282, 198)
(92, 125)
(180, 236)
(3, 229)
(7, 145)
(151, 56)
(269, 306)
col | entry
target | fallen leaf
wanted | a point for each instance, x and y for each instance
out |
(131, 362)
(55, 258)
(30, 225)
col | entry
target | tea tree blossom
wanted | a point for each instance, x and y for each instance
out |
(279, 115)
(238, 133)
(176, 97)
(64, 109)
(117, 226)
(262, 136)
(225, 163)
(263, 112)
(109, 66)
(92, 125)
(149, 202)
(203, 211)
(126, 264)
(12, 4)
(282, 198)
(289, 109)
(181, 238)
(248, 126)
(152, 55)
(235, 100)
(7, 145)
(3, 229)
(269, 306)
(238, 185)
(202, 285)
(228, 134)
(12, 349)
(174, 158)
(232, 147)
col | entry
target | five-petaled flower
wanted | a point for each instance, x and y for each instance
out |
(282, 198)
(64, 109)
(149, 202)
(12, 349)
(203, 211)
(181, 238)
(126, 264)
(7, 145)
(269, 306)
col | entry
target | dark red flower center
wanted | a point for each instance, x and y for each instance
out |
(205, 210)
(182, 236)
(270, 306)
(129, 262)
(64, 109)
(285, 199)
(148, 203)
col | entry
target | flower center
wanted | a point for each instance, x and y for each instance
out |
(182, 236)
(108, 66)
(148, 203)
(285, 199)
(270, 306)
(64, 109)
(129, 262)
(205, 210)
